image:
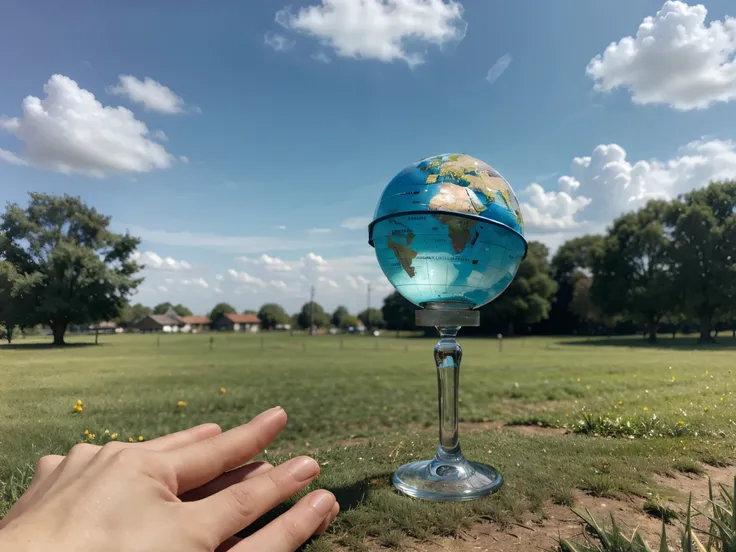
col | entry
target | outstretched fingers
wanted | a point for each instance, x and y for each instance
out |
(290, 530)
(236, 507)
(201, 462)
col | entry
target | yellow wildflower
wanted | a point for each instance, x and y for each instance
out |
(223, 390)
(578, 380)
(181, 403)
(673, 378)
(140, 437)
(723, 399)
(130, 440)
(620, 403)
(646, 409)
(681, 422)
(78, 408)
(706, 409)
(86, 431)
(79, 402)
(706, 372)
(114, 436)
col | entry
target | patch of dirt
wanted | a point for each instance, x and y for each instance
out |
(470, 427)
(543, 533)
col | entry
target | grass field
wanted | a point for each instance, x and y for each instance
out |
(363, 406)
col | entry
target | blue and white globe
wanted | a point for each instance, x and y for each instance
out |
(449, 229)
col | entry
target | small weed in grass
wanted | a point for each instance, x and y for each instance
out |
(685, 465)
(601, 485)
(654, 507)
(391, 539)
(715, 461)
(564, 497)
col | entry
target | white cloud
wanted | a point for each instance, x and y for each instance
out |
(151, 260)
(319, 230)
(69, 131)
(160, 135)
(163, 289)
(675, 59)
(278, 42)
(184, 159)
(322, 57)
(244, 277)
(218, 290)
(328, 281)
(201, 282)
(498, 68)
(281, 227)
(152, 94)
(270, 263)
(385, 30)
(356, 223)
(606, 184)
(10, 157)
(219, 277)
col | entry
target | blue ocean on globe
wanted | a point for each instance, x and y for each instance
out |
(449, 229)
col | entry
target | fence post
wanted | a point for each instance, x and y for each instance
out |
(500, 343)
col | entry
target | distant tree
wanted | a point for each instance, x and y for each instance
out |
(250, 311)
(271, 315)
(163, 308)
(371, 318)
(130, 314)
(704, 251)
(582, 305)
(221, 308)
(294, 321)
(399, 313)
(337, 316)
(348, 321)
(527, 300)
(14, 305)
(573, 260)
(320, 319)
(76, 270)
(633, 275)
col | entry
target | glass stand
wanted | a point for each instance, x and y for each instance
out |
(448, 476)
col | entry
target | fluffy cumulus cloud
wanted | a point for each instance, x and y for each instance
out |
(69, 131)
(268, 262)
(384, 30)
(151, 260)
(151, 94)
(245, 278)
(498, 68)
(676, 58)
(606, 183)
(278, 42)
(201, 282)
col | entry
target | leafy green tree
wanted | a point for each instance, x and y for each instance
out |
(399, 313)
(74, 267)
(250, 311)
(14, 305)
(704, 251)
(348, 321)
(320, 319)
(371, 318)
(632, 276)
(221, 308)
(337, 316)
(573, 260)
(130, 314)
(271, 315)
(528, 298)
(163, 308)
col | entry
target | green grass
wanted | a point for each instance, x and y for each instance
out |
(364, 409)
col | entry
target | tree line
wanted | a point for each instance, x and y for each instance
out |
(669, 265)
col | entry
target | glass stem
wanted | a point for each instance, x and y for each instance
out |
(447, 355)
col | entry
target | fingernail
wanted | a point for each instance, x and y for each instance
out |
(322, 502)
(303, 468)
(269, 413)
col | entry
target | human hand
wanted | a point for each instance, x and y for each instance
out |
(188, 491)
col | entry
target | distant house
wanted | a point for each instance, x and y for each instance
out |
(159, 323)
(195, 324)
(237, 323)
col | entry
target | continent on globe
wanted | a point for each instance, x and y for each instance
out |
(451, 197)
(459, 229)
(403, 252)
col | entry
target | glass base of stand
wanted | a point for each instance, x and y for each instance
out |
(450, 478)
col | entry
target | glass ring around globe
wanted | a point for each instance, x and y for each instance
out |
(448, 235)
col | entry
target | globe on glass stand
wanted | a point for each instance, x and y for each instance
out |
(448, 235)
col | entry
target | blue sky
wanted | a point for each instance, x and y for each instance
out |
(252, 141)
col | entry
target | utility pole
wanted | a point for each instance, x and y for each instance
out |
(311, 310)
(368, 308)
